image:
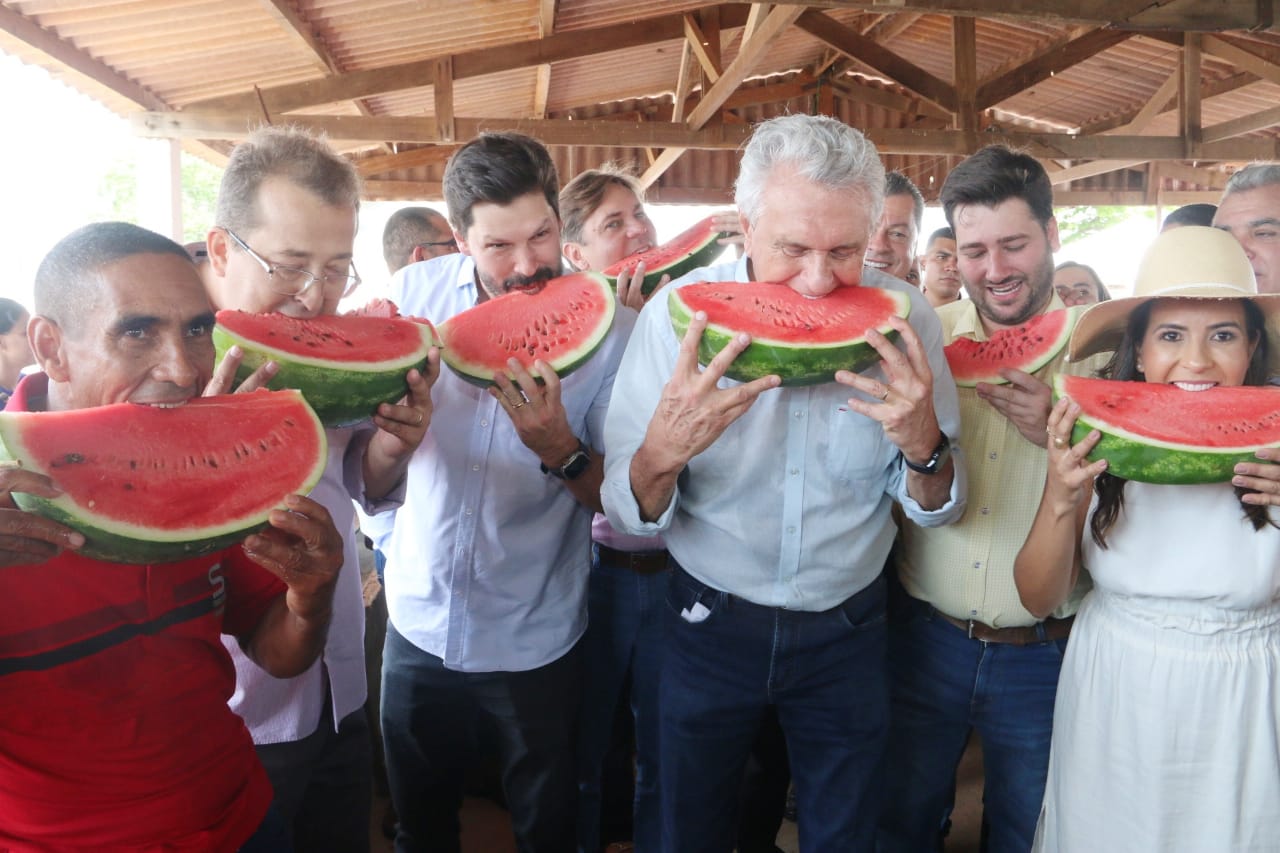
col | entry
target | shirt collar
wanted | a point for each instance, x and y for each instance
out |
(969, 325)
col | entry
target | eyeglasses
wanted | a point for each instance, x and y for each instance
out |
(295, 281)
(452, 245)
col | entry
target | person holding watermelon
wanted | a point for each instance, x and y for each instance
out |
(776, 504)
(1166, 732)
(116, 732)
(286, 222)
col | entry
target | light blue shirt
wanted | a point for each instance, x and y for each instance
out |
(790, 507)
(487, 564)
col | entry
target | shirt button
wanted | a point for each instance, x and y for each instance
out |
(484, 423)
(468, 512)
(977, 564)
(799, 414)
(993, 455)
(985, 510)
(791, 529)
(477, 468)
(795, 471)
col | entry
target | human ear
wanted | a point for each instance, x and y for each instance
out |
(48, 341)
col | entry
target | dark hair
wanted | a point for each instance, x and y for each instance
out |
(10, 313)
(896, 183)
(946, 232)
(64, 283)
(497, 168)
(1191, 214)
(994, 175)
(1123, 365)
(408, 227)
(582, 196)
(1104, 295)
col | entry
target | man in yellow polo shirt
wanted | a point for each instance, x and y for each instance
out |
(963, 652)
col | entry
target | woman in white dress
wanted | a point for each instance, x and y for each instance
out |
(1166, 732)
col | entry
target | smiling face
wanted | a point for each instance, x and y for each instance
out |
(1253, 218)
(1006, 261)
(145, 337)
(806, 236)
(892, 247)
(617, 228)
(516, 246)
(1076, 287)
(1196, 344)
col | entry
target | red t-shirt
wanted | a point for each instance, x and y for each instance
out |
(114, 728)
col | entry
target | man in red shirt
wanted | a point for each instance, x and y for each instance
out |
(115, 733)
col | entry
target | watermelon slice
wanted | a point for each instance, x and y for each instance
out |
(692, 248)
(152, 485)
(1157, 433)
(1028, 348)
(344, 365)
(562, 324)
(804, 341)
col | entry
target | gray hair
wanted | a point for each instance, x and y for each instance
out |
(1253, 177)
(292, 153)
(820, 149)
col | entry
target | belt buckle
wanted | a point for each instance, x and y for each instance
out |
(971, 621)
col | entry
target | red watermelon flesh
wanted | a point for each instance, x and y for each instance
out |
(562, 323)
(149, 484)
(1028, 348)
(353, 338)
(694, 247)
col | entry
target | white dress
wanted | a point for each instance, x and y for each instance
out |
(1166, 733)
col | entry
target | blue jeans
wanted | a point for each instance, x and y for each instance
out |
(825, 675)
(271, 836)
(624, 637)
(943, 685)
(431, 720)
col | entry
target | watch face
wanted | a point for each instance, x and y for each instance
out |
(576, 465)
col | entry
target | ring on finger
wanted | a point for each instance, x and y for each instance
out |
(519, 405)
(420, 419)
(885, 395)
(1058, 441)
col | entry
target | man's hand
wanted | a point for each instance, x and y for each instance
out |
(630, 293)
(536, 411)
(1025, 402)
(304, 549)
(401, 426)
(1261, 479)
(690, 416)
(905, 398)
(728, 224)
(24, 536)
(224, 375)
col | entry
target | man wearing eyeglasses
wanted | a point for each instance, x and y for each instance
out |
(286, 224)
(415, 234)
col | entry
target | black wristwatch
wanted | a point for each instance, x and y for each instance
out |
(574, 466)
(935, 461)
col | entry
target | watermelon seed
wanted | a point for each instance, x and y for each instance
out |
(128, 487)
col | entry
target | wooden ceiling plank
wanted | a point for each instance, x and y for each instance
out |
(857, 46)
(442, 95)
(1192, 15)
(749, 55)
(684, 82)
(890, 27)
(1047, 64)
(1209, 89)
(875, 96)
(49, 43)
(1211, 178)
(556, 47)
(412, 159)
(1155, 105)
(542, 83)
(300, 33)
(1189, 90)
(698, 43)
(964, 61)
(1240, 126)
(1088, 170)
(1245, 60)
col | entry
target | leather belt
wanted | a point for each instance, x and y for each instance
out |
(1023, 635)
(640, 562)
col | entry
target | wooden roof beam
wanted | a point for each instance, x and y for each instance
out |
(542, 80)
(891, 26)
(1046, 64)
(1242, 125)
(751, 52)
(699, 43)
(1088, 170)
(1189, 90)
(1180, 15)
(1208, 90)
(556, 47)
(412, 159)
(964, 61)
(857, 46)
(1251, 58)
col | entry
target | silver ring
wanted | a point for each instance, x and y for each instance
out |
(885, 395)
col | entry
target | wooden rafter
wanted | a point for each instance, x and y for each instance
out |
(1046, 64)
(556, 47)
(684, 82)
(854, 44)
(413, 158)
(964, 60)
(1189, 90)
(1242, 125)
(1156, 104)
(891, 26)
(542, 79)
(442, 95)
(748, 55)
(1088, 170)
(1208, 90)
(700, 44)
(1249, 58)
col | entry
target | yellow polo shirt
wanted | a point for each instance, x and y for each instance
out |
(965, 569)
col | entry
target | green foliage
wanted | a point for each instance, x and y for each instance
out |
(118, 195)
(1075, 223)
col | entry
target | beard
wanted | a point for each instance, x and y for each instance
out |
(494, 288)
(1038, 290)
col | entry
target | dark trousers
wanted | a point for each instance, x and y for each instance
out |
(430, 722)
(825, 675)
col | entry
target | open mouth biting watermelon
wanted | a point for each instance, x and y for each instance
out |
(1028, 348)
(563, 324)
(694, 247)
(147, 484)
(803, 341)
(345, 365)
(1157, 433)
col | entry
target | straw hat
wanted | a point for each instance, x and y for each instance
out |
(1193, 262)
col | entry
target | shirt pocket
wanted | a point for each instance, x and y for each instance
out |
(856, 448)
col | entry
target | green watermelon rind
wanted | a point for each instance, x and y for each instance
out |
(699, 255)
(794, 365)
(1038, 361)
(121, 542)
(1151, 460)
(563, 365)
(341, 393)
